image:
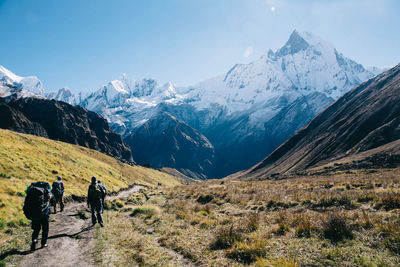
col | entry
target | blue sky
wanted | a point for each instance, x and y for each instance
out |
(83, 44)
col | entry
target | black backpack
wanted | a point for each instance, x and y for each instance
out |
(57, 188)
(36, 203)
(96, 191)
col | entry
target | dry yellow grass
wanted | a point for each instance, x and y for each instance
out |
(26, 158)
(344, 219)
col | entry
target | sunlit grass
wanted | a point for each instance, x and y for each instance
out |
(25, 159)
(346, 219)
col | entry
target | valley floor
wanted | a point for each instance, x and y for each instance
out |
(347, 218)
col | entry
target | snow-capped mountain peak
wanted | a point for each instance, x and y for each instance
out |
(295, 44)
(245, 113)
(30, 83)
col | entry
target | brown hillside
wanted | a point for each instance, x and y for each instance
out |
(365, 118)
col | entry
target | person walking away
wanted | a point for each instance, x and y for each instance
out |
(94, 201)
(58, 192)
(37, 208)
(103, 187)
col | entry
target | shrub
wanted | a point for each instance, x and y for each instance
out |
(334, 201)
(282, 226)
(225, 237)
(252, 222)
(336, 228)
(149, 211)
(276, 205)
(204, 199)
(365, 198)
(389, 202)
(247, 253)
(180, 215)
(116, 205)
(206, 224)
(3, 175)
(13, 224)
(303, 227)
(391, 235)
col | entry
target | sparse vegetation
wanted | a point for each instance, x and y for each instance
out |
(301, 221)
(226, 236)
(336, 228)
(351, 218)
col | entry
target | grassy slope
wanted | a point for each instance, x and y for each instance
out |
(26, 158)
(265, 223)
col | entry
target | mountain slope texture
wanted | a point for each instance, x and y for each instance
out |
(166, 141)
(245, 113)
(58, 120)
(365, 119)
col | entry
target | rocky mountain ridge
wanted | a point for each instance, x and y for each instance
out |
(246, 113)
(366, 119)
(61, 121)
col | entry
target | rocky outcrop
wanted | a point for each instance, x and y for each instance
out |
(61, 121)
(14, 120)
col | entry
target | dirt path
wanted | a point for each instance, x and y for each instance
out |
(71, 239)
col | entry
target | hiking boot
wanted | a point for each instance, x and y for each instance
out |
(44, 245)
(33, 245)
(101, 224)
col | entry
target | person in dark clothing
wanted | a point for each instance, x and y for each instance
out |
(103, 187)
(42, 224)
(37, 209)
(94, 201)
(58, 192)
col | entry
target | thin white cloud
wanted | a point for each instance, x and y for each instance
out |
(249, 50)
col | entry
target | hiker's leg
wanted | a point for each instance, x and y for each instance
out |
(36, 230)
(45, 229)
(93, 210)
(99, 216)
(61, 203)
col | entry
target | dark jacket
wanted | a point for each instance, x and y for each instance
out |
(58, 185)
(92, 199)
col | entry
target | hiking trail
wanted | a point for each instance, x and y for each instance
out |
(71, 240)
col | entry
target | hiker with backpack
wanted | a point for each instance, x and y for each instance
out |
(37, 208)
(94, 201)
(103, 187)
(58, 192)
